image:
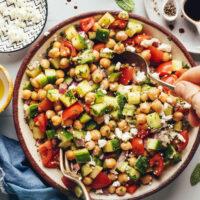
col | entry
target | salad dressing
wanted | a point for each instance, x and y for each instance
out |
(1, 89)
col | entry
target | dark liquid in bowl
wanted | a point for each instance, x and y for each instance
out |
(192, 9)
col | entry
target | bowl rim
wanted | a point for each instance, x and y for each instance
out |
(38, 35)
(32, 52)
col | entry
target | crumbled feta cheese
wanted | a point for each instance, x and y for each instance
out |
(116, 184)
(118, 133)
(126, 136)
(106, 118)
(107, 50)
(102, 143)
(140, 77)
(165, 47)
(124, 89)
(118, 66)
(92, 162)
(186, 105)
(130, 48)
(72, 87)
(155, 75)
(133, 131)
(88, 136)
(147, 43)
(83, 34)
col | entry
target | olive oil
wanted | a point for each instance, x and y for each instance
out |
(1, 89)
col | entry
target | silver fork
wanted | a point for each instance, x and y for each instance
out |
(65, 169)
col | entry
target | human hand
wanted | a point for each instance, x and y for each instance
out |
(188, 88)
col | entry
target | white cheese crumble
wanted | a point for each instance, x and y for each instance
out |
(147, 43)
(107, 50)
(165, 47)
(130, 48)
(124, 89)
(155, 75)
(116, 184)
(102, 143)
(88, 136)
(186, 105)
(118, 133)
(126, 136)
(140, 77)
(133, 131)
(118, 66)
(106, 118)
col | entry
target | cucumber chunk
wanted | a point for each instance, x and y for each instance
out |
(33, 110)
(82, 155)
(106, 20)
(83, 88)
(50, 133)
(86, 57)
(55, 62)
(122, 167)
(85, 118)
(68, 99)
(111, 146)
(154, 144)
(102, 35)
(90, 125)
(86, 170)
(65, 138)
(97, 169)
(142, 164)
(82, 71)
(79, 42)
(33, 73)
(113, 77)
(41, 79)
(128, 110)
(71, 32)
(53, 95)
(51, 75)
(154, 121)
(134, 98)
(133, 27)
(133, 174)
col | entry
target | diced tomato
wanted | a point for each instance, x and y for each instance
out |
(101, 181)
(130, 41)
(157, 162)
(156, 54)
(119, 24)
(131, 188)
(138, 146)
(127, 75)
(41, 121)
(99, 46)
(138, 38)
(143, 133)
(182, 145)
(48, 155)
(171, 79)
(87, 108)
(72, 112)
(165, 68)
(87, 23)
(45, 105)
(68, 183)
(65, 43)
(180, 72)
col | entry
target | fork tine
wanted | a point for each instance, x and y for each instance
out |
(62, 167)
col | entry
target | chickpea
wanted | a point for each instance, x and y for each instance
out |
(48, 87)
(144, 97)
(96, 26)
(42, 94)
(72, 72)
(87, 180)
(34, 96)
(122, 125)
(123, 178)
(99, 120)
(111, 43)
(54, 52)
(145, 108)
(90, 145)
(59, 81)
(60, 74)
(123, 15)
(163, 97)
(141, 118)
(77, 125)
(166, 56)
(112, 177)
(105, 131)
(95, 135)
(112, 33)
(114, 86)
(111, 189)
(57, 106)
(96, 55)
(146, 180)
(126, 146)
(119, 48)
(110, 163)
(70, 155)
(153, 93)
(111, 69)
(50, 114)
(64, 63)
(64, 52)
(157, 106)
(93, 67)
(132, 161)
(56, 44)
(146, 54)
(121, 36)
(171, 100)
(90, 98)
(97, 76)
(34, 83)
(104, 84)
(26, 94)
(45, 63)
(96, 151)
(121, 191)
(112, 125)
(105, 62)
(56, 120)
(178, 116)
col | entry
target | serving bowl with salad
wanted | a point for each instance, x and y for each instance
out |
(125, 136)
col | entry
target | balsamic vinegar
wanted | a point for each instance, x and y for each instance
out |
(192, 9)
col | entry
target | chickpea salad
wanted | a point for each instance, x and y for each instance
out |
(119, 129)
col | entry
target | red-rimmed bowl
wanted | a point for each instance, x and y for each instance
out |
(53, 176)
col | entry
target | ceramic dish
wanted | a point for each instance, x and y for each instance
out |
(30, 30)
(183, 29)
(53, 176)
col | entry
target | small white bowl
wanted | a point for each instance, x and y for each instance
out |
(8, 88)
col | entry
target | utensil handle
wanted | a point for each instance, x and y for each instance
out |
(198, 27)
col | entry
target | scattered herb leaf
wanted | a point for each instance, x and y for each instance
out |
(195, 177)
(127, 5)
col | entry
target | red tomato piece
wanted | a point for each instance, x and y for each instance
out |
(171, 79)
(182, 145)
(127, 75)
(41, 121)
(143, 133)
(119, 24)
(165, 68)
(45, 105)
(138, 146)
(156, 54)
(101, 181)
(87, 23)
(131, 188)
(99, 46)
(72, 112)
(157, 162)
(68, 44)
(130, 41)
(138, 38)
(68, 183)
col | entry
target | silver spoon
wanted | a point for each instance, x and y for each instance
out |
(65, 169)
(133, 58)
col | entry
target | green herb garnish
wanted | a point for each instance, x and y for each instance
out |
(195, 177)
(127, 5)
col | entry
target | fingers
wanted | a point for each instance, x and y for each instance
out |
(192, 75)
(193, 118)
